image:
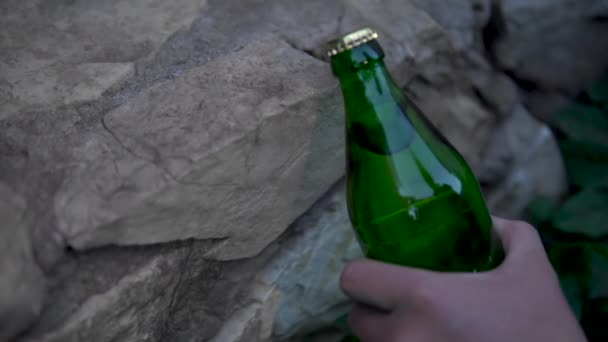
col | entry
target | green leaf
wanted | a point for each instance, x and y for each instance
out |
(541, 210)
(600, 305)
(583, 123)
(600, 249)
(575, 294)
(598, 267)
(341, 323)
(599, 92)
(570, 259)
(585, 213)
(595, 316)
(586, 162)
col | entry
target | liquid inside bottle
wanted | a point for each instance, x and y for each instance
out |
(407, 207)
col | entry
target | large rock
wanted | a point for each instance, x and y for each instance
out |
(297, 290)
(21, 282)
(306, 269)
(233, 150)
(496, 91)
(173, 292)
(407, 42)
(131, 310)
(554, 47)
(462, 19)
(159, 157)
(450, 101)
(152, 293)
(446, 86)
(522, 162)
(59, 53)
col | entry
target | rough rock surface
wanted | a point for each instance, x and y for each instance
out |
(462, 19)
(306, 269)
(22, 284)
(254, 151)
(554, 48)
(59, 53)
(572, 33)
(156, 153)
(522, 161)
(297, 290)
(127, 311)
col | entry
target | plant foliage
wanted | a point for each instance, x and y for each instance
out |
(575, 230)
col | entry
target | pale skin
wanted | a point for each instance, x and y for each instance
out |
(521, 300)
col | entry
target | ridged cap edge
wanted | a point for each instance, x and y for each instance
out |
(351, 41)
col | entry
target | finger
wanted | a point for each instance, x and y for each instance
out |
(369, 324)
(381, 285)
(519, 239)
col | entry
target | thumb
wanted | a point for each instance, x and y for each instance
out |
(381, 285)
(519, 239)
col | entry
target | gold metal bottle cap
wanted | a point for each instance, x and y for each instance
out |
(351, 40)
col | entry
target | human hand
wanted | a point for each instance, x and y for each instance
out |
(521, 300)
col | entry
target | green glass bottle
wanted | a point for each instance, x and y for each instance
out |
(412, 198)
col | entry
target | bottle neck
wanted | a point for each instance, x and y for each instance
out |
(367, 87)
(376, 117)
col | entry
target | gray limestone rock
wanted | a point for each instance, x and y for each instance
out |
(166, 292)
(496, 91)
(59, 53)
(306, 269)
(443, 92)
(545, 104)
(233, 150)
(524, 162)
(134, 309)
(22, 283)
(557, 45)
(173, 292)
(462, 19)
(407, 42)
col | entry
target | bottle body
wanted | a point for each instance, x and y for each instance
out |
(412, 208)
(412, 198)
